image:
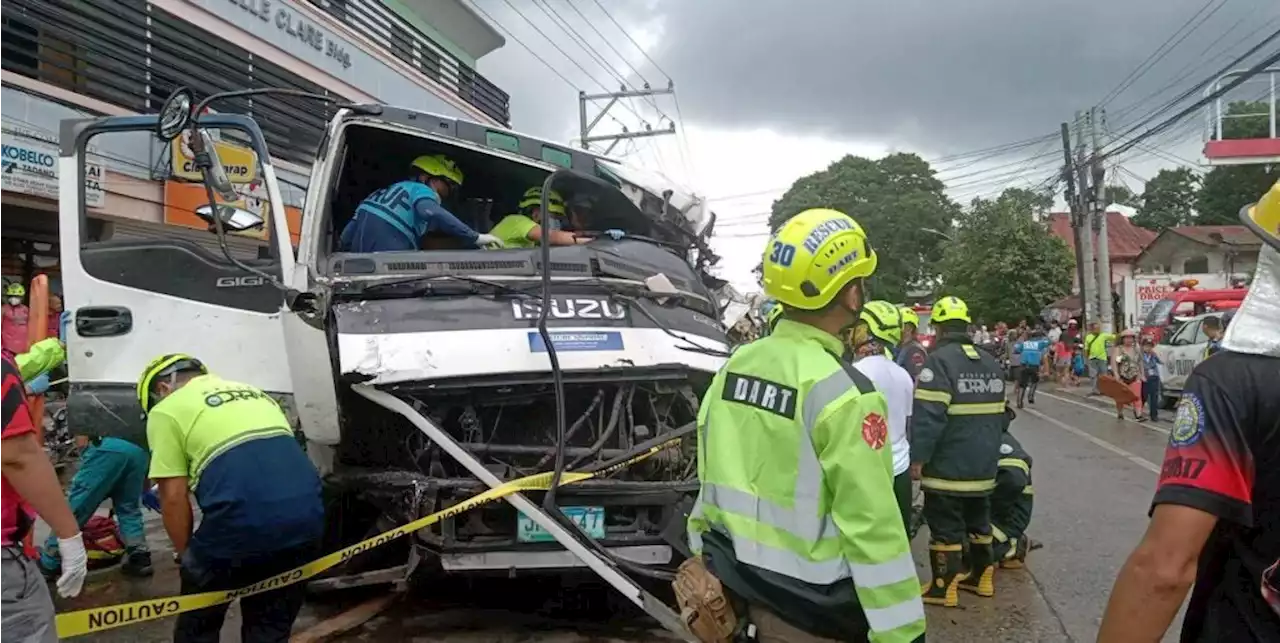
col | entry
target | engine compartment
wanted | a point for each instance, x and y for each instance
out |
(389, 473)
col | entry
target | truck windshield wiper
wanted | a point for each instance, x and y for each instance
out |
(427, 281)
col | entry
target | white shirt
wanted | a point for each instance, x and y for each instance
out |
(898, 389)
(1054, 335)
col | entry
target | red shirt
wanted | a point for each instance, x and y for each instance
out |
(17, 421)
(13, 328)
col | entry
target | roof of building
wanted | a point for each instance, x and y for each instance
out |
(1125, 241)
(1213, 235)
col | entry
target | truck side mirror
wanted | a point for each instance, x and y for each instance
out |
(233, 219)
(174, 114)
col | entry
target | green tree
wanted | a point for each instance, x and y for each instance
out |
(1005, 263)
(1227, 188)
(897, 199)
(1167, 199)
(1122, 195)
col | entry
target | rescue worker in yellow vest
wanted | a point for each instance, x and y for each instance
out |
(957, 422)
(796, 515)
(525, 229)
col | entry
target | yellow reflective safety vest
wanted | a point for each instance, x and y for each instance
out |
(957, 420)
(796, 510)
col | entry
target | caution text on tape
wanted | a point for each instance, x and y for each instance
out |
(95, 619)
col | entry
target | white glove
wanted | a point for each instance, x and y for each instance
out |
(75, 564)
(488, 241)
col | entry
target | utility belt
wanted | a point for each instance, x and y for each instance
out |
(711, 614)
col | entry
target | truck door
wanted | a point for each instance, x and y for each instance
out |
(144, 277)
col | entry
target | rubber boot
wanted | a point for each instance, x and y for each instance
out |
(981, 576)
(946, 561)
(136, 563)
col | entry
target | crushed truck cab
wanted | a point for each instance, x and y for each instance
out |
(630, 334)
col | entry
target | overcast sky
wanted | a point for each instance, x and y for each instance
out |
(773, 90)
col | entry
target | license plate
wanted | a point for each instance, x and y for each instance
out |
(590, 519)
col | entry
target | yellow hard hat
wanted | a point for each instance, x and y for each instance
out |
(533, 199)
(440, 166)
(161, 366)
(950, 308)
(909, 316)
(814, 255)
(15, 290)
(1263, 217)
(883, 320)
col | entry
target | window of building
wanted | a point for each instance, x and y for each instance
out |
(1197, 264)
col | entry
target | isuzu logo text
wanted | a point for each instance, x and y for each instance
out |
(569, 308)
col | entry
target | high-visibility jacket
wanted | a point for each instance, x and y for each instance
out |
(43, 356)
(1014, 496)
(957, 419)
(796, 509)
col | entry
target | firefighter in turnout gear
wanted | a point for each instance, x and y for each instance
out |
(911, 353)
(1011, 503)
(796, 514)
(957, 422)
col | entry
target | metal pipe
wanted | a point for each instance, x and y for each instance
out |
(523, 449)
(614, 416)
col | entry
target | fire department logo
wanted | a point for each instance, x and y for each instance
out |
(875, 431)
(926, 375)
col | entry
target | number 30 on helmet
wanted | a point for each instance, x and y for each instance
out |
(814, 256)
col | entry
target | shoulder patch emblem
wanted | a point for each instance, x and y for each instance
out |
(1188, 424)
(926, 375)
(875, 431)
(1005, 449)
(762, 394)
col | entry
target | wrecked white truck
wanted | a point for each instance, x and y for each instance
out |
(398, 364)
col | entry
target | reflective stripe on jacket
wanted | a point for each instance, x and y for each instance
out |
(796, 471)
(1012, 501)
(958, 419)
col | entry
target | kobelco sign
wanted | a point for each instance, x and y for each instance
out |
(30, 167)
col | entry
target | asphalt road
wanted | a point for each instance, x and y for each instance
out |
(1094, 476)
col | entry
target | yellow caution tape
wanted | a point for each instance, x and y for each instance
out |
(104, 618)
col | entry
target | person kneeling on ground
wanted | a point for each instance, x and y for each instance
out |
(232, 446)
(1011, 502)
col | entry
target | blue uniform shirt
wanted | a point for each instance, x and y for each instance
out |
(1032, 351)
(396, 217)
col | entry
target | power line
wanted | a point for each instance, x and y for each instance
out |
(633, 40)
(1235, 82)
(533, 53)
(606, 41)
(555, 44)
(1163, 50)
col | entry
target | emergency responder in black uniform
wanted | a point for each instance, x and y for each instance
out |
(911, 353)
(1011, 503)
(957, 420)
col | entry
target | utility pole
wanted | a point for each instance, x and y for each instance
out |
(586, 139)
(1100, 221)
(1087, 285)
(1077, 218)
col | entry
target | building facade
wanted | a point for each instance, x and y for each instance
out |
(1229, 250)
(65, 59)
(1125, 242)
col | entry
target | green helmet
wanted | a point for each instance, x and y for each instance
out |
(950, 308)
(160, 367)
(533, 199)
(15, 290)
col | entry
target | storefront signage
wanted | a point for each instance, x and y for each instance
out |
(293, 25)
(31, 167)
(240, 163)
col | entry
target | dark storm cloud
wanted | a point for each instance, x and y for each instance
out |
(934, 75)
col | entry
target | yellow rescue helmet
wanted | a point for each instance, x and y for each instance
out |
(950, 308)
(813, 256)
(773, 316)
(160, 367)
(1263, 217)
(533, 199)
(15, 290)
(909, 316)
(883, 321)
(441, 166)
